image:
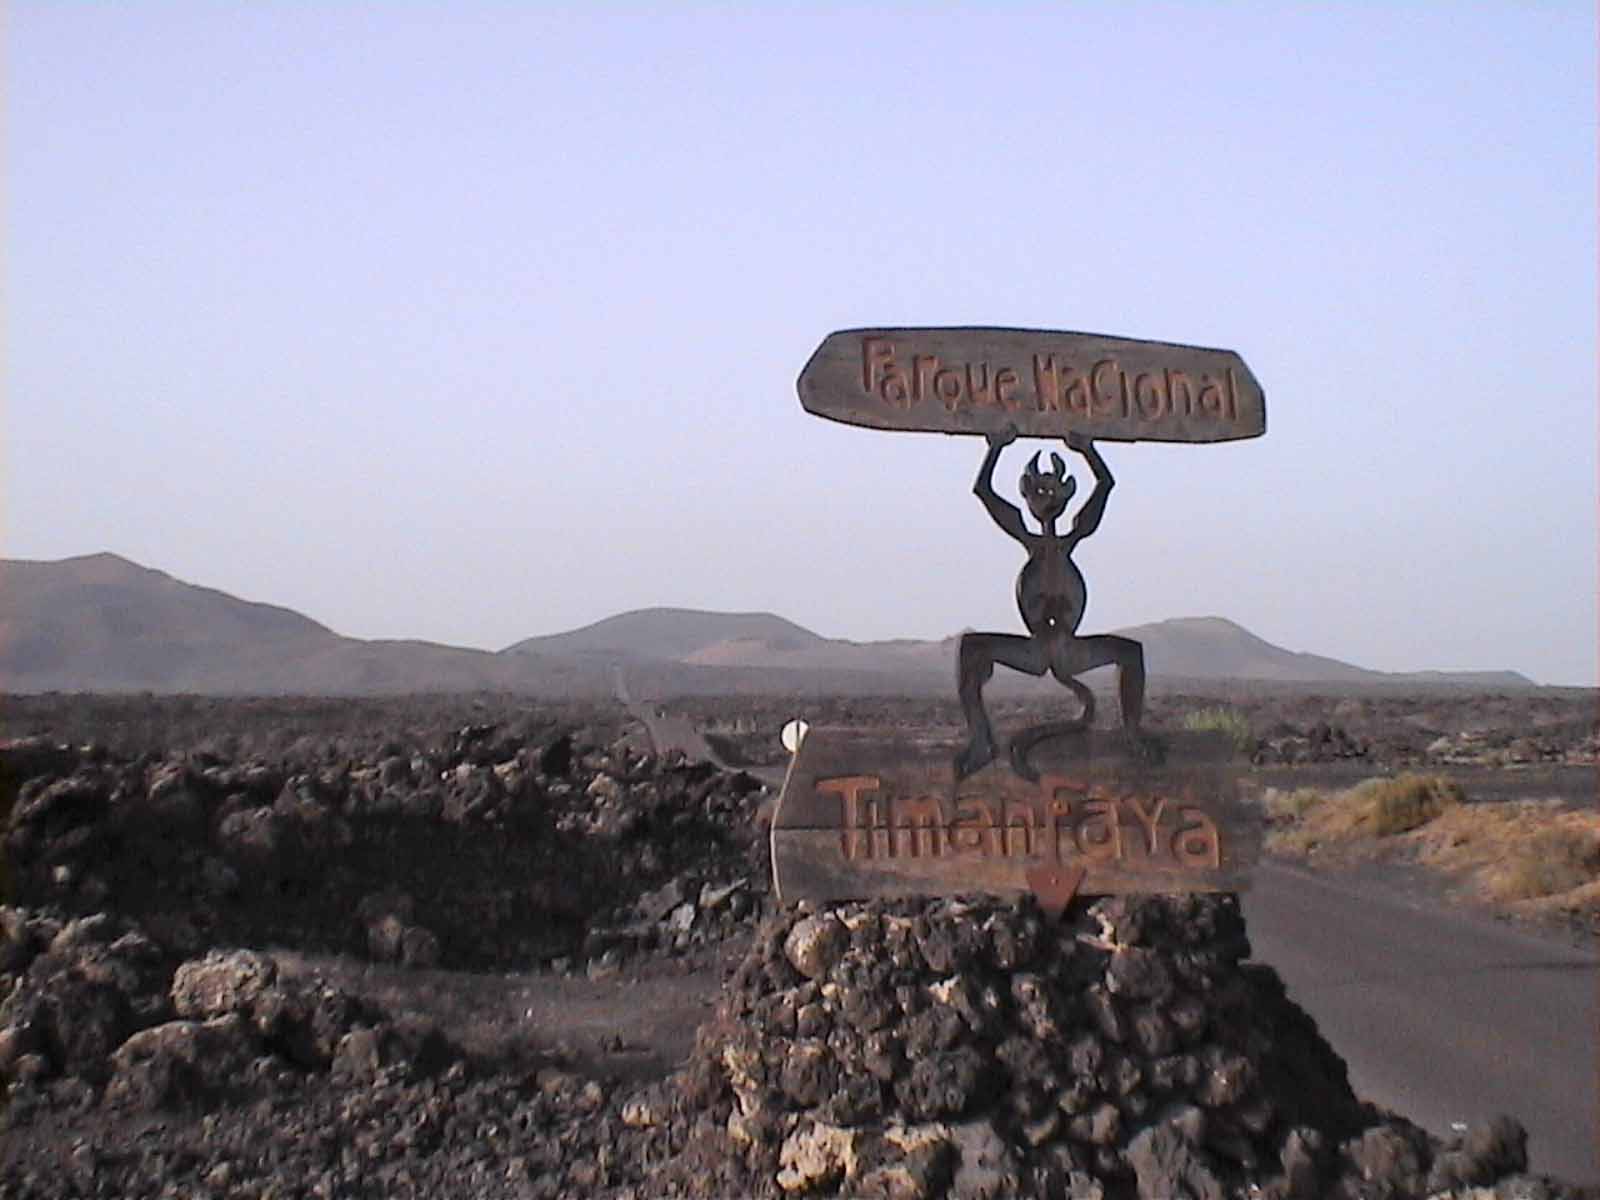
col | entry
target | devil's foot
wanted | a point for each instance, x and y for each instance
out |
(1020, 763)
(978, 754)
(1023, 743)
(1144, 748)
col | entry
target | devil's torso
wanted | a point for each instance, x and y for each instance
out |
(1050, 589)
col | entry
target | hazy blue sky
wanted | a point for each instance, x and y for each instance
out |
(471, 322)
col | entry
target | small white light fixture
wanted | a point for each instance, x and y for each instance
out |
(793, 734)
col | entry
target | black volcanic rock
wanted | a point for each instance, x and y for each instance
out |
(1131, 1052)
(175, 1019)
(463, 852)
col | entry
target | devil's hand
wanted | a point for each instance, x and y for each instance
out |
(1002, 437)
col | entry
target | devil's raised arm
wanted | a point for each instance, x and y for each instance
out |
(1005, 515)
(1088, 518)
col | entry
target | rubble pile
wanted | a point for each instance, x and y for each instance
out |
(222, 974)
(971, 1048)
(1321, 743)
(1501, 748)
(95, 1010)
(305, 1090)
(908, 1049)
(690, 857)
(488, 852)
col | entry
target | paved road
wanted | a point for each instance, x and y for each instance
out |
(666, 731)
(1442, 1016)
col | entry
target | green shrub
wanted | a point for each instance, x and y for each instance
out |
(1222, 720)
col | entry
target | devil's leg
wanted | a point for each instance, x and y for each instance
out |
(975, 662)
(1085, 718)
(1130, 683)
(1022, 743)
(1084, 654)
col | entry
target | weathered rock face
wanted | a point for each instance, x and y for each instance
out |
(963, 1049)
(303, 1021)
(907, 1050)
(1320, 743)
(93, 1002)
(504, 848)
(78, 989)
(178, 1062)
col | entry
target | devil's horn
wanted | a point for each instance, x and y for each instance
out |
(1055, 461)
(1033, 464)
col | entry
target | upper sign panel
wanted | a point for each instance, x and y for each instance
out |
(958, 380)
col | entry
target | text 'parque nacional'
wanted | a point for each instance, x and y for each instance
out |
(1046, 384)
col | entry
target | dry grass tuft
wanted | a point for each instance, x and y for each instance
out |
(1377, 808)
(1283, 808)
(1402, 804)
(1549, 863)
(1534, 855)
(1531, 855)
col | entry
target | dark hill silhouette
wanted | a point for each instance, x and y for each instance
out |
(670, 633)
(102, 623)
(122, 598)
(1183, 647)
(1213, 647)
(753, 641)
(1217, 648)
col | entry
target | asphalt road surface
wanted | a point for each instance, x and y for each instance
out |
(1442, 1016)
(668, 732)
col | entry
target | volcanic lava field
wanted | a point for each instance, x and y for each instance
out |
(456, 946)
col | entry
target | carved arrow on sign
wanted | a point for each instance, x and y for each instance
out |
(1054, 887)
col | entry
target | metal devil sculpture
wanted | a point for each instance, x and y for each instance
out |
(895, 812)
(1050, 595)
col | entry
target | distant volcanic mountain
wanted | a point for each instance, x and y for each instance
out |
(1184, 647)
(745, 640)
(1216, 648)
(672, 633)
(102, 623)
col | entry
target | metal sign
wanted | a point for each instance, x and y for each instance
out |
(1047, 384)
(861, 815)
(861, 818)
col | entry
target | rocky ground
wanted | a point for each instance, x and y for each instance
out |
(1283, 725)
(436, 949)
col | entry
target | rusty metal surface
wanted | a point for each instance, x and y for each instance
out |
(1071, 809)
(1055, 886)
(1046, 383)
(1051, 595)
(862, 815)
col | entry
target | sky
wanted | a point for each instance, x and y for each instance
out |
(472, 322)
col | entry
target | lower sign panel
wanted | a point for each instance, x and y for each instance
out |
(862, 817)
